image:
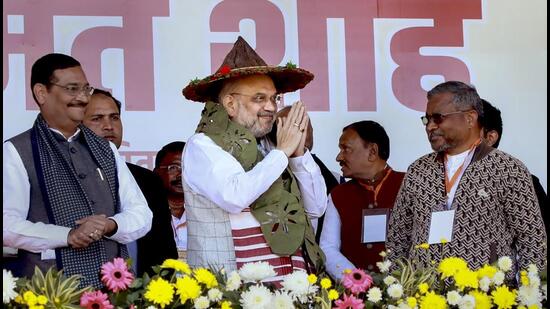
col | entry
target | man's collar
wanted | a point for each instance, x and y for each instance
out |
(71, 138)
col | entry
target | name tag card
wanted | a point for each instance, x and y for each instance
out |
(441, 226)
(375, 222)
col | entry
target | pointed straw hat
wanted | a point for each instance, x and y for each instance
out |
(242, 61)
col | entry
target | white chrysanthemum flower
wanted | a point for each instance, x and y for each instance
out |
(532, 268)
(484, 284)
(528, 296)
(374, 295)
(544, 289)
(392, 307)
(404, 306)
(282, 300)
(296, 282)
(298, 285)
(498, 278)
(504, 263)
(233, 281)
(202, 302)
(389, 280)
(8, 283)
(258, 271)
(257, 296)
(467, 302)
(453, 298)
(384, 266)
(534, 280)
(151, 307)
(215, 295)
(395, 290)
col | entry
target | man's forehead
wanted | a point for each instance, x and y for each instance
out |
(440, 100)
(73, 75)
(256, 83)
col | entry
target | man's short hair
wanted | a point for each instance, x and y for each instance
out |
(168, 148)
(372, 132)
(492, 120)
(464, 96)
(109, 95)
(42, 70)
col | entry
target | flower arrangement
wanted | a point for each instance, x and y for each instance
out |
(449, 284)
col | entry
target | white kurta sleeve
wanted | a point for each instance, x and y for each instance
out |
(217, 175)
(135, 218)
(330, 243)
(311, 183)
(17, 231)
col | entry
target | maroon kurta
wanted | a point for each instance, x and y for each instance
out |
(350, 199)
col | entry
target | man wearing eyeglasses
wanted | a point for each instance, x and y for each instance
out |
(466, 199)
(69, 200)
(168, 164)
(103, 117)
(246, 199)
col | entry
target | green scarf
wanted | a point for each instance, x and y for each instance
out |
(280, 209)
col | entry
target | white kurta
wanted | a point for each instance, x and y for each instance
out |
(215, 174)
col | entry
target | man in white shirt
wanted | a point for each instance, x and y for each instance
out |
(65, 188)
(247, 200)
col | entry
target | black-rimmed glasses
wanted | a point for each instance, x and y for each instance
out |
(438, 118)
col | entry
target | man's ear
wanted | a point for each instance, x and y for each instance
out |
(230, 105)
(40, 92)
(491, 137)
(471, 118)
(373, 151)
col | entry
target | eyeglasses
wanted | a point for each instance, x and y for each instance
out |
(438, 118)
(262, 98)
(75, 90)
(172, 169)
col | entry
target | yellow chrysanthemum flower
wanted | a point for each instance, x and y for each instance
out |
(312, 278)
(524, 279)
(423, 288)
(187, 288)
(177, 265)
(503, 297)
(433, 301)
(466, 279)
(160, 292)
(204, 276)
(226, 305)
(483, 301)
(42, 300)
(326, 283)
(30, 298)
(411, 301)
(450, 266)
(333, 294)
(486, 271)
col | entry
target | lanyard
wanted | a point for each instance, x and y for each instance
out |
(449, 183)
(376, 189)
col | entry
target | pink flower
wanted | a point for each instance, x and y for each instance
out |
(95, 300)
(349, 302)
(357, 281)
(115, 275)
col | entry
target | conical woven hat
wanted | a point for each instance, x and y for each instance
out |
(242, 60)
